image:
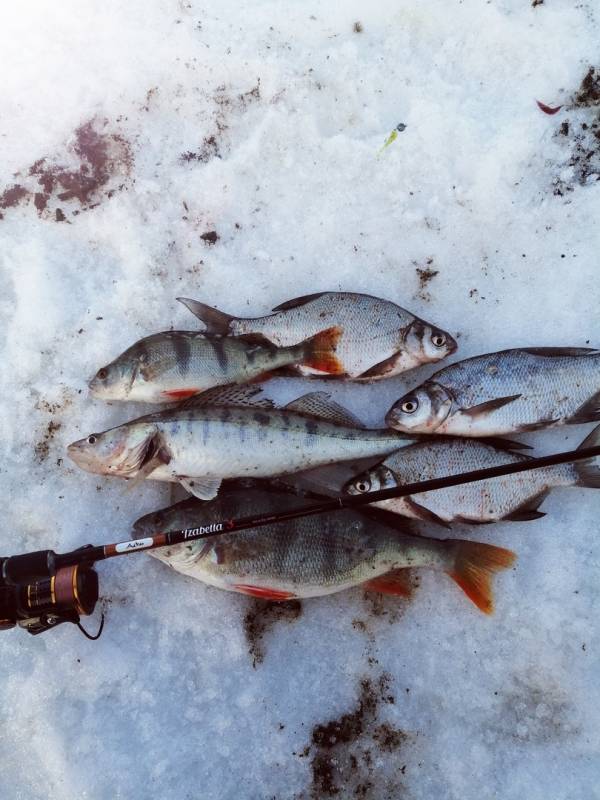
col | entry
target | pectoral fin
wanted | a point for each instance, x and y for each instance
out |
(380, 369)
(202, 488)
(156, 456)
(423, 513)
(489, 406)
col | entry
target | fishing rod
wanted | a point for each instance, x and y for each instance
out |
(40, 590)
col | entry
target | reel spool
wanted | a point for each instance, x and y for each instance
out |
(72, 592)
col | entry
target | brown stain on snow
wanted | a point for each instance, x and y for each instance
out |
(359, 755)
(580, 136)
(261, 617)
(99, 155)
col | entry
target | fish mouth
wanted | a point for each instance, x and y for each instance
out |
(451, 344)
(392, 421)
(77, 452)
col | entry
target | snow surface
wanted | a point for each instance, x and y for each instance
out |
(262, 121)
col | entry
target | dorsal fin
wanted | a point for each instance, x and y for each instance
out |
(216, 321)
(298, 301)
(320, 406)
(244, 396)
(553, 352)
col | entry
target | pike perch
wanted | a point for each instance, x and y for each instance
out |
(230, 433)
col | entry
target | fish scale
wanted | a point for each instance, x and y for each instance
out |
(505, 392)
(313, 556)
(379, 339)
(209, 440)
(173, 365)
(510, 497)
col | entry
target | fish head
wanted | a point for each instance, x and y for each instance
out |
(426, 344)
(372, 480)
(421, 411)
(119, 451)
(115, 380)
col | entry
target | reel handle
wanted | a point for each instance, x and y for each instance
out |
(27, 567)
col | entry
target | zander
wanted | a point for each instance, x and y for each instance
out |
(174, 365)
(379, 339)
(506, 392)
(512, 497)
(229, 433)
(314, 556)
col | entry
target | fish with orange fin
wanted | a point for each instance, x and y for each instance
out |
(379, 339)
(175, 365)
(316, 555)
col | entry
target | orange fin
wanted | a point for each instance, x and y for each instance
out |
(263, 592)
(181, 394)
(319, 352)
(474, 567)
(396, 582)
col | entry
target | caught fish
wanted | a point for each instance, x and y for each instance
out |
(379, 339)
(507, 392)
(314, 556)
(174, 365)
(231, 433)
(511, 497)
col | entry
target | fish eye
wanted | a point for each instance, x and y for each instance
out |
(410, 406)
(438, 339)
(102, 374)
(363, 485)
(91, 439)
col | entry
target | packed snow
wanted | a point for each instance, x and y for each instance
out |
(231, 152)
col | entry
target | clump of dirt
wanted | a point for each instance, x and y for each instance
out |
(227, 102)
(425, 274)
(210, 237)
(209, 149)
(261, 617)
(580, 133)
(589, 91)
(347, 752)
(101, 164)
(42, 448)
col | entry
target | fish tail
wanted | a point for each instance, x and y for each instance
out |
(318, 352)
(474, 567)
(588, 471)
(216, 321)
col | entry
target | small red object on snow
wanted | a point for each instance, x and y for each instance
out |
(548, 109)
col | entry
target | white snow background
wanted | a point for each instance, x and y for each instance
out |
(262, 121)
